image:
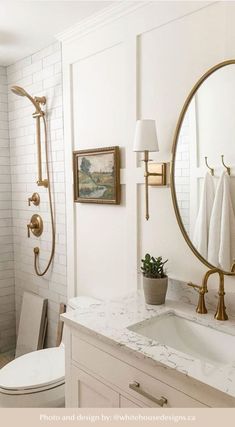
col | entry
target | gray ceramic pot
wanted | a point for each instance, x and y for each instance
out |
(155, 290)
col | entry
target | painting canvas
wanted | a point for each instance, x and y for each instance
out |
(96, 176)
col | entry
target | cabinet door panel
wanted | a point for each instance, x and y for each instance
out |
(88, 392)
(127, 403)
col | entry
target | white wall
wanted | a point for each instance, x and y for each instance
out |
(7, 292)
(140, 65)
(215, 118)
(39, 74)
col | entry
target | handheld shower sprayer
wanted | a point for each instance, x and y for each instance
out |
(37, 115)
(37, 102)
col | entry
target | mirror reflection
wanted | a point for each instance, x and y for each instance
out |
(204, 172)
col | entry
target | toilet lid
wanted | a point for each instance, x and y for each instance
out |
(40, 369)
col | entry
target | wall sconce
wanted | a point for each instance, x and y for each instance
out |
(146, 140)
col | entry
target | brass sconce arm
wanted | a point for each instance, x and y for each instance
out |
(146, 176)
(147, 173)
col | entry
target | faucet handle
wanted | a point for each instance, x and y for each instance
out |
(196, 287)
(29, 227)
(201, 306)
(35, 225)
(35, 198)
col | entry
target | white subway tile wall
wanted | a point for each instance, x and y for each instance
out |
(7, 289)
(40, 75)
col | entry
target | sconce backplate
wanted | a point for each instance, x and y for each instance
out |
(157, 181)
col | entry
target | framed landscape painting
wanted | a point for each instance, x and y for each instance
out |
(97, 175)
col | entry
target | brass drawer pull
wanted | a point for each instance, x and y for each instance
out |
(136, 387)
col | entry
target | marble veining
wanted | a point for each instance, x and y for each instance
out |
(180, 291)
(108, 321)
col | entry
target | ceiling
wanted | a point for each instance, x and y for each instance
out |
(28, 26)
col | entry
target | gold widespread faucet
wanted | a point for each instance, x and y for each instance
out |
(202, 290)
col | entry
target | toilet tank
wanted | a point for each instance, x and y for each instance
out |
(81, 301)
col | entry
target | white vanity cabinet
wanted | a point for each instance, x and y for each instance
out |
(102, 375)
(88, 392)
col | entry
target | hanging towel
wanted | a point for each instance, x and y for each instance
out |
(201, 231)
(215, 224)
(227, 234)
(221, 246)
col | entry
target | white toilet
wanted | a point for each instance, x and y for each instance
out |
(36, 379)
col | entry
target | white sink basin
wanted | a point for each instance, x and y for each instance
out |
(199, 341)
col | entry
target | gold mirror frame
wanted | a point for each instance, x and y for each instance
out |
(174, 148)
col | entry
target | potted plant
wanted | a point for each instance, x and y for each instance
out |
(155, 279)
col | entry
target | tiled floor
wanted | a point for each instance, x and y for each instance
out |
(6, 358)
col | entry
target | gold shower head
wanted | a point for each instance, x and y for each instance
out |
(17, 90)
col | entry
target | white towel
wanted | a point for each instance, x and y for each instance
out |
(221, 246)
(227, 234)
(201, 231)
(215, 224)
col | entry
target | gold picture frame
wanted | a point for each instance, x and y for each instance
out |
(97, 175)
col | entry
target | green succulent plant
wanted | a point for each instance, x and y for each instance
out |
(153, 267)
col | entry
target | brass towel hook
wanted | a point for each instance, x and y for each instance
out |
(211, 169)
(226, 167)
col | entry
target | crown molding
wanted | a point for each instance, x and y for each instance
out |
(99, 19)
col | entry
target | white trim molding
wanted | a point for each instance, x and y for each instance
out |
(100, 19)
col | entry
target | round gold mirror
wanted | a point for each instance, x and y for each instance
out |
(203, 168)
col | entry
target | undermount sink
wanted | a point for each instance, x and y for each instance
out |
(189, 337)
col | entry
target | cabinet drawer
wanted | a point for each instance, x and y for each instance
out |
(122, 375)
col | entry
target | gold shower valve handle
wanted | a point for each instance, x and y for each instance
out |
(35, 225)
(35, 199)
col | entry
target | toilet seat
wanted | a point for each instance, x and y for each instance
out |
(37, 379)
(33, 372)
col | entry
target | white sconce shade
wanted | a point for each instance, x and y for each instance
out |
(145, 136)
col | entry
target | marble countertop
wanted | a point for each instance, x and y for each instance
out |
(109, 320)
